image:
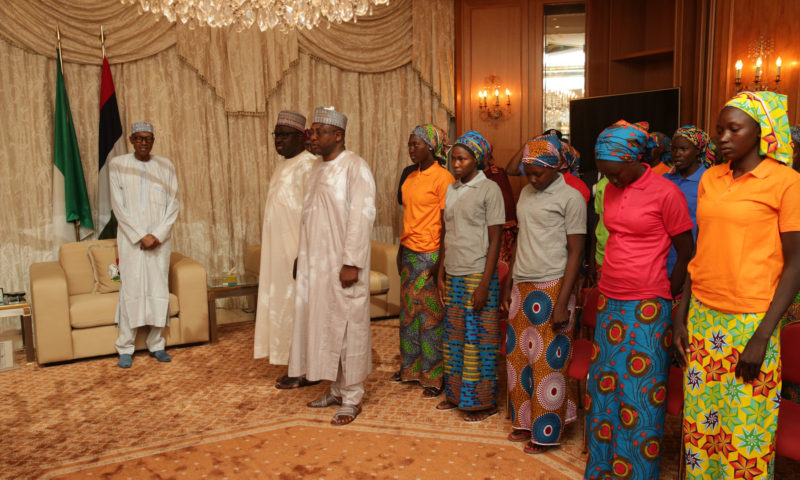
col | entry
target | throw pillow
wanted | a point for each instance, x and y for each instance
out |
(105, 263)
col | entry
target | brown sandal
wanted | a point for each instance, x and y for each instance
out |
(324, 401)
(480, 415)
(431, 392)
(346, 412)
(519, 436)
(446, 405)
(289, 383)
(535, 449)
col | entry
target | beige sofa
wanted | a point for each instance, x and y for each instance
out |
(72, 322)
(384, 281)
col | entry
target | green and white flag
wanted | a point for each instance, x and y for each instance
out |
(70, 199)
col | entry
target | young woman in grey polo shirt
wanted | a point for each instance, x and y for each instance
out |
(473, 221)
(545, 266)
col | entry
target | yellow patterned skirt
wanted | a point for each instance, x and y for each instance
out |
(728, 426)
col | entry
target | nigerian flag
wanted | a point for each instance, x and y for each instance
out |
(70, 199)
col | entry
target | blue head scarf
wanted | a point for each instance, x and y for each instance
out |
(476, 144)
(622, 142)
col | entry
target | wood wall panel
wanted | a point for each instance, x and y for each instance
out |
(736, 24)
(691, 47)
(640, 45)
(493, 40)
(707, 36)
(502, 38)
(495, 49)
(598, 22)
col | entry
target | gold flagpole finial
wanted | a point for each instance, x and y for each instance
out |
(60, 55)
(103, 41)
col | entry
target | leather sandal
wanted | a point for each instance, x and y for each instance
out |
(324, 401)
(346, 412)
(480, 415)
(431, 392)
(535, 449)
(519, 436)
(288, 383)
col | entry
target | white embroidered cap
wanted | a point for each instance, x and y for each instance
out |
(141, 127)
(329, 116)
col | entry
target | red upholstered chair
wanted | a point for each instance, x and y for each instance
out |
(787, 441)
(675, 398)
(502, 273)
(583, 348)
(675, 391)
(582, 351)
(675, 404)
(675, 384)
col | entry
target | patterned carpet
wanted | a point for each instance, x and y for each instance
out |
(214, 413)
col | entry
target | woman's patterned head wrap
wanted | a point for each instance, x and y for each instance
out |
(435, 138)
(571, 157)
(699, 139)
(622, 142)
(656, 140)
(478, 146)
(544, 151)
(769, 110)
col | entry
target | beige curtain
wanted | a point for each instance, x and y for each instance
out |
(31, 25)
(213, 118)
(244, 68)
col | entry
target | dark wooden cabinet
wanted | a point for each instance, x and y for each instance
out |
(640, 45)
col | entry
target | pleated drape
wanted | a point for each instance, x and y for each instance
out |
(213, 96)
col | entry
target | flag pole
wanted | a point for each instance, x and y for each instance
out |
(110, 141)
(60, 55)
(58, 35)
(76, 223)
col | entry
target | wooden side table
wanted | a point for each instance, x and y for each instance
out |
(22, 309)
(246, 285)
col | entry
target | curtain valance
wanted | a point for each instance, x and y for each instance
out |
(244, 68)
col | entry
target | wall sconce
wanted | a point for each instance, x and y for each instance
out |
(758, 82)
(760, 50)
(494, 105)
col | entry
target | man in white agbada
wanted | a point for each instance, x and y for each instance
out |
(331, 337)
(144, 197)
(280, 240)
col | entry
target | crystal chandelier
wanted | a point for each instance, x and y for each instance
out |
(266, 14)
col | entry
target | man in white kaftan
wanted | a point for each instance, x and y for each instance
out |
(331, 338)
(280, 239)
(144, 192)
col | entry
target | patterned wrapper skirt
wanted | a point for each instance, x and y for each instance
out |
(536, 362)
(627, 388)
(729, 426)
(471, 344)
(421, 329)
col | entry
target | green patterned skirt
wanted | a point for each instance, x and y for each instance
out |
(421, 328)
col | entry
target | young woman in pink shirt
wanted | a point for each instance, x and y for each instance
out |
(645, 214)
